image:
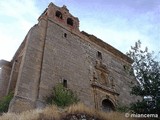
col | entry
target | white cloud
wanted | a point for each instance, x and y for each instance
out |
(121, 40)
(17, 17)
(109, 24)
(18, 8)
(123, 30)
(122, 33)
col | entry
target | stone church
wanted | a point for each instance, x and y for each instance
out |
(56, 51)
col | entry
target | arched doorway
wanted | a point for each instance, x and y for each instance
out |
(107, 105)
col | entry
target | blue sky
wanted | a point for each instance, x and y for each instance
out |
(118, 22)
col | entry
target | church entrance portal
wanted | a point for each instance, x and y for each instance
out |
(107, 106)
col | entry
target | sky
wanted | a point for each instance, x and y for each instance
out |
(120, 23)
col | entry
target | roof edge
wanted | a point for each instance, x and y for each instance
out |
(108, 47)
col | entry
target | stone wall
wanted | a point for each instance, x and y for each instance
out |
(55, 51)
(74, 58)
(26, 91)
(5, 69)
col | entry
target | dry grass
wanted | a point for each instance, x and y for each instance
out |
(9, 116)
(81, 108)
(48, 113)
(55, 113)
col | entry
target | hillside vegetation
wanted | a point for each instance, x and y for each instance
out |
(73, 112)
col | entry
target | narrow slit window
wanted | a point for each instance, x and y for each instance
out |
(65, 35)
(65, 83)
(99, 55)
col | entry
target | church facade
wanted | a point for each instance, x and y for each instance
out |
(55, 51)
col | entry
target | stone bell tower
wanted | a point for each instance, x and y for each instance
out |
(61, 16)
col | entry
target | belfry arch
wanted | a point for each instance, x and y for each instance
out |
(70, 21)
(59, 14)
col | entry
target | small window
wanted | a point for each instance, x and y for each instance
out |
(65, 35)
(70, 21)
(99, 55)
(59, 14)
(65, 83)
(124, 66)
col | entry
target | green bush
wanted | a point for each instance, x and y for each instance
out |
(62, 96)
(4, 102)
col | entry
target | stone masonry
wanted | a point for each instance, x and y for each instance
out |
(55, 51)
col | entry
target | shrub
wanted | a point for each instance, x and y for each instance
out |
(62, 96)
(4, 102)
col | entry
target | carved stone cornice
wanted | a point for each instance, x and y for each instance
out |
(104, 88)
